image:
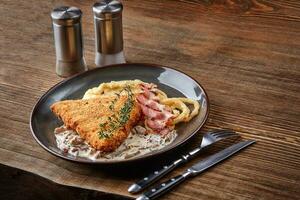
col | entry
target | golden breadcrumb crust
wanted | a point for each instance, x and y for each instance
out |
(84, 116)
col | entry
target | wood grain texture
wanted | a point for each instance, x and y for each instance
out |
(246, 53)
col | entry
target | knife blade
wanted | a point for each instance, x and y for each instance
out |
(195, 170)
(218, 157)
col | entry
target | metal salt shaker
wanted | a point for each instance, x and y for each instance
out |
(108, 32)
(66, 23)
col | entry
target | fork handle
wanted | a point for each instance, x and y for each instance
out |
(162, 188)
(156, 175)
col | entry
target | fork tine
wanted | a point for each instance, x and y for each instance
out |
(220, 136)
(222, 131)
(219, 130)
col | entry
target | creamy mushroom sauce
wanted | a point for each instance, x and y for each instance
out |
(138, 143)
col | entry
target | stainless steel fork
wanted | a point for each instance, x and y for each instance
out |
(208, 139)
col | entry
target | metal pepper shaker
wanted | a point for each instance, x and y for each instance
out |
(108, 32)
(67, 30)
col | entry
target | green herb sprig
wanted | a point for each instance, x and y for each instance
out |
(118, 120)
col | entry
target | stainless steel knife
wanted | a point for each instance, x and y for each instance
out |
(194, 170)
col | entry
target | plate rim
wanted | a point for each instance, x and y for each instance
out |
(162, 151)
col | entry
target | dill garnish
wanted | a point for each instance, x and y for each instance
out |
(118, 120)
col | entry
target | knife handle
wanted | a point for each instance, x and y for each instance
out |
(148, 180)
(162, 188)
(156, 175)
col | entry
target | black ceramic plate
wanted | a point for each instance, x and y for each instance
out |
(171, 81)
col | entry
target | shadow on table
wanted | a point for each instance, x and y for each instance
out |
(17, 184)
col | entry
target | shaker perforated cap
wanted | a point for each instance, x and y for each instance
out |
(66, 15)
(107, 9)
(108, 26)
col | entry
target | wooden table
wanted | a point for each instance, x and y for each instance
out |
(245, 53)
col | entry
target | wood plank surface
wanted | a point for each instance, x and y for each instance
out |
(246, 54)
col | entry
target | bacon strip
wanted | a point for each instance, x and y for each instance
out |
(155, 124)
(157, 116)
(149, 103)
(151, 113)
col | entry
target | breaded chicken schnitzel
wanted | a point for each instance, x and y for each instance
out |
(103, 122)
